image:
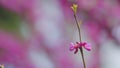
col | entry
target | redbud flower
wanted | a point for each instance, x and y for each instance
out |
(79, 45)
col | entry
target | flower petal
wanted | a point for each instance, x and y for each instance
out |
(87, 47)
(76, 50)
(71, 47)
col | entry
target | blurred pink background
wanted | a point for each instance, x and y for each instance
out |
(37, 33)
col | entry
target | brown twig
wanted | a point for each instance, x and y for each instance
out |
(81, 50)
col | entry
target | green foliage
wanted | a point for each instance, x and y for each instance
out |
(9, 20)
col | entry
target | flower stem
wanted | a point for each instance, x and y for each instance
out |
(82, 54)
(81, 50)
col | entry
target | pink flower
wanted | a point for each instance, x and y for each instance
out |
(18, 5)
(87, 46)
(79, 45)
(13, 51)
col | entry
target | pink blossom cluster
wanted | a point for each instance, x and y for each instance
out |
(12, 53)
(18, 6)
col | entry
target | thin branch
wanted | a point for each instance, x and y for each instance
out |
(81, 50)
